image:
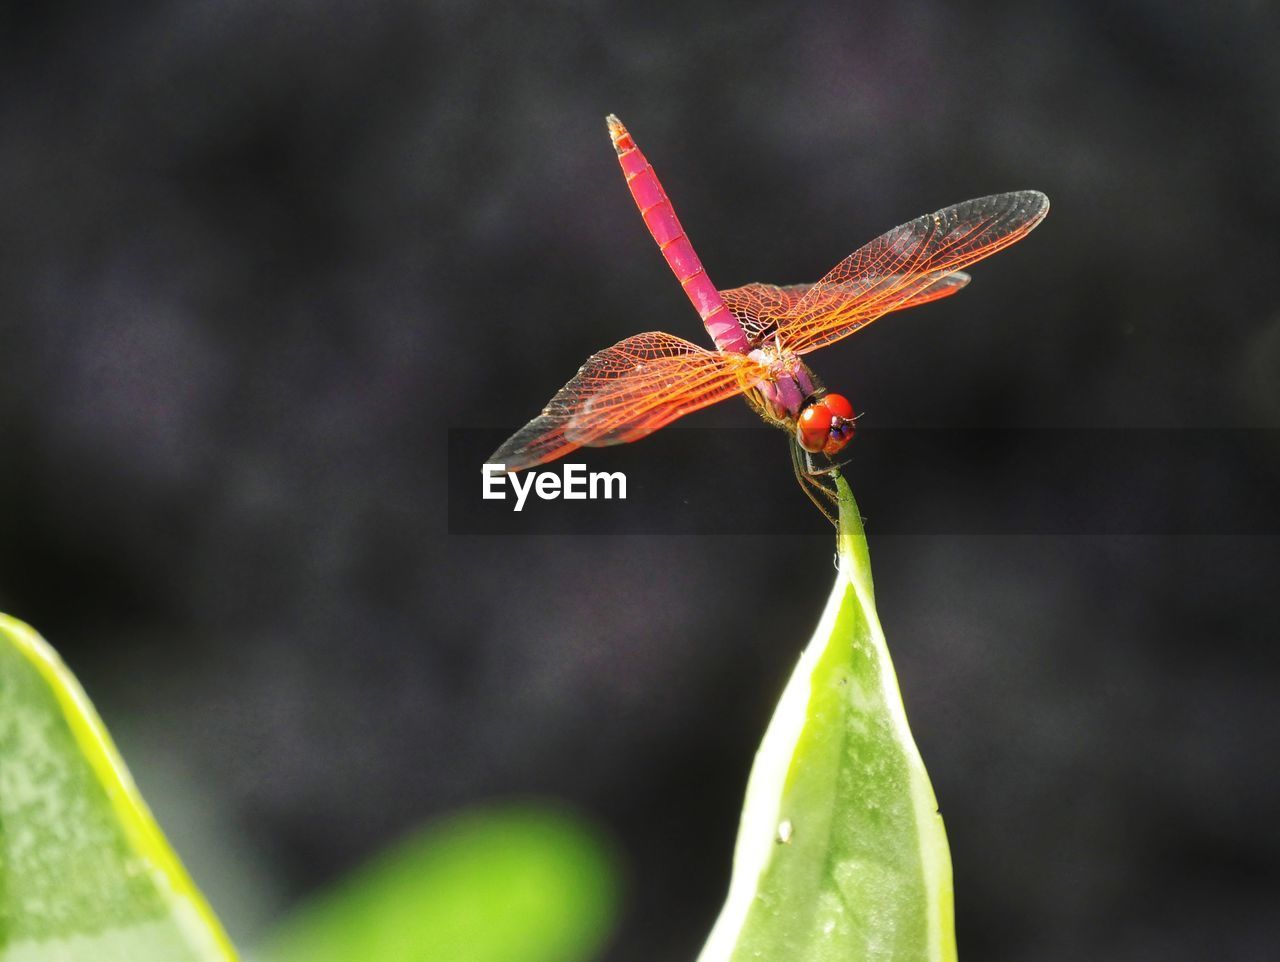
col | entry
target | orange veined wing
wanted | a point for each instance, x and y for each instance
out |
(761, 308)
(625, 392)
(906, 266)
(758, 307)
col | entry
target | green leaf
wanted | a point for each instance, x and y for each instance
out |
(85, 873)
(503, 884)
(841, 853)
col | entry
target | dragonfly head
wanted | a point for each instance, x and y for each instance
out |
(825, 424)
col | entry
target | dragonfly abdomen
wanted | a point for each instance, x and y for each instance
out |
(660, 217)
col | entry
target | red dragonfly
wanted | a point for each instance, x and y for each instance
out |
(760, 331)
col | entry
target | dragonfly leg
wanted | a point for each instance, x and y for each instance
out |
(833, 467)
(808, 474)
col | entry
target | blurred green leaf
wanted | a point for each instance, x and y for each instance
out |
(509, 884)
(841, 853)
(85, 873)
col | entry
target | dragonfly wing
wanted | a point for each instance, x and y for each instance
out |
(625, 392)
(762, 309)
(759, 307)
(911, 264)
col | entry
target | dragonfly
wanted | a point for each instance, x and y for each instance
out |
(761, 333)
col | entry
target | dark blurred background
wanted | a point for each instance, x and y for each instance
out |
(259, 259)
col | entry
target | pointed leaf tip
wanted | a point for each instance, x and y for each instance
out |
(841, 853)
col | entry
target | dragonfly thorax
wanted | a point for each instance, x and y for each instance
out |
(794, 399)
(781, 396)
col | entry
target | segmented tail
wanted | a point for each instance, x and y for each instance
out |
(660, 217)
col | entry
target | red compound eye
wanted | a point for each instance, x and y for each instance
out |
(813, 426)
(838, 405)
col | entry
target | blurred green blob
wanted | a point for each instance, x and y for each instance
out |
(85, 873)
(841, 851)
(503, 884)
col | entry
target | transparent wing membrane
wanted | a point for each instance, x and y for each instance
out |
(919, 261)
(759, 307)
(625, 392)
(764, 309)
